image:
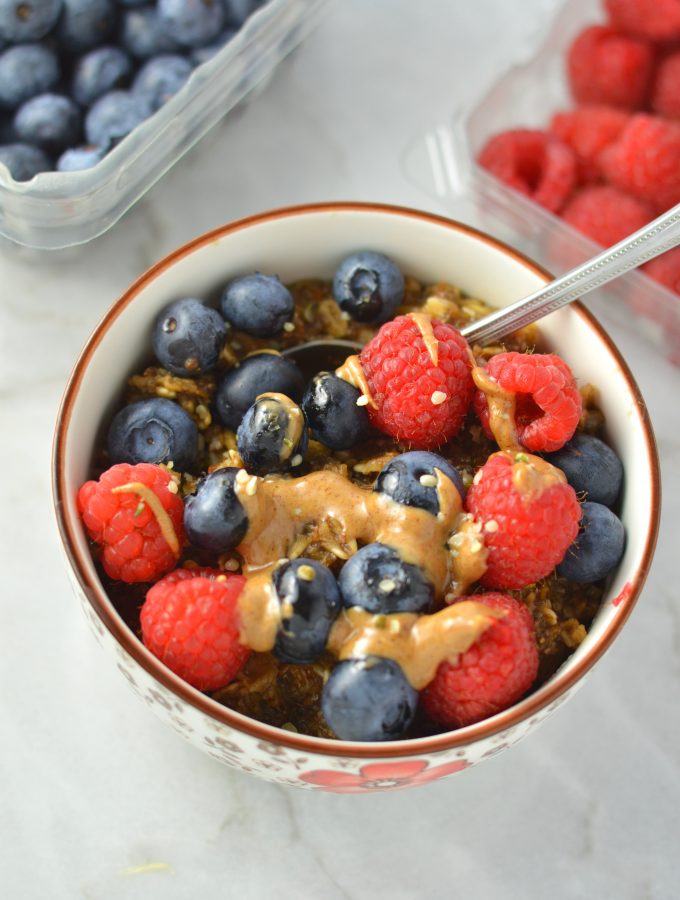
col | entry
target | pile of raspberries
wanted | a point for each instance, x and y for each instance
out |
(611, 164)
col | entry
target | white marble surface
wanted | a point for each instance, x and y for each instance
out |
(92, 786)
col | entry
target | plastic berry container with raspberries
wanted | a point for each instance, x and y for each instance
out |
(551, 156)
(400, 541)
(99, 98)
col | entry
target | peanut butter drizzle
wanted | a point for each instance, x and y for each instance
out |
(501, 409)
(351, 372)
(424, 323)
(149, 497)
(281, 508)
(468, 554)
(443, 492)
(532, 475)
(278, 509)
(418, 643)
(296, 421)
(466, 547)
(259, 612)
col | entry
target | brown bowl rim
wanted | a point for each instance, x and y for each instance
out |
(560, 683)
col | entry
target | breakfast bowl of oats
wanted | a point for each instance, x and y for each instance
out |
(325, 538)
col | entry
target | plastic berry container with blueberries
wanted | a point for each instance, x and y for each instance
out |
(99, 99)
(603, 57)
(382, 550)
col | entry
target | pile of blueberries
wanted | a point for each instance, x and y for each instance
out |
(187, 339)
(76, 76)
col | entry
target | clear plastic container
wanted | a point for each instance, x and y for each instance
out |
(525, 96)
(57, 210)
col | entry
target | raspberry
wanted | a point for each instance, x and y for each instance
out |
(658, 20)
(529, 517)
(548, 402)
(418, 402)
(534, 163)
(665, 269)
(666, 88)
(187, 572)
(588, 130)
(606, 214)
(191, 623)
(493, 674)
(139, 542)
(645, 160)
(604, 66)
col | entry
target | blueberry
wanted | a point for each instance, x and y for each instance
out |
(98, 72)
(85, 24)
(153, 431)
(49, 121)
(25, 72)
(410, 479)
(199, 55)
(368, 286)
(213, 517)
(142, 35)
(376, 578)
(75, 159)
(368, 700)
(188, 337)
(598, 547)
(591, 467)
(257, 304)
(27, 20)
(310, 602)
(330, 405)
(7, 132)
(258, 374)
(272, 436)
(159, 79)
(24, 161)
(238, 10)
(191, 22)
(111, 118)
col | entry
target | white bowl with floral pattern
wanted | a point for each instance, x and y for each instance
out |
(308, 241)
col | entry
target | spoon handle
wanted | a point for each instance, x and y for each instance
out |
(660, 235)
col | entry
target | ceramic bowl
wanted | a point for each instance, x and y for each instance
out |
(309, 241)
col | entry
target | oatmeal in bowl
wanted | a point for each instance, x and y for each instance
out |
(415, 551)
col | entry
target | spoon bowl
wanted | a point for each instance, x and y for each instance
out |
(321, 356)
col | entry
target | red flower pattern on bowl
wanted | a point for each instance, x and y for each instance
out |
(381, 776)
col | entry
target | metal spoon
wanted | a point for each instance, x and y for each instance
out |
(660, 235)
